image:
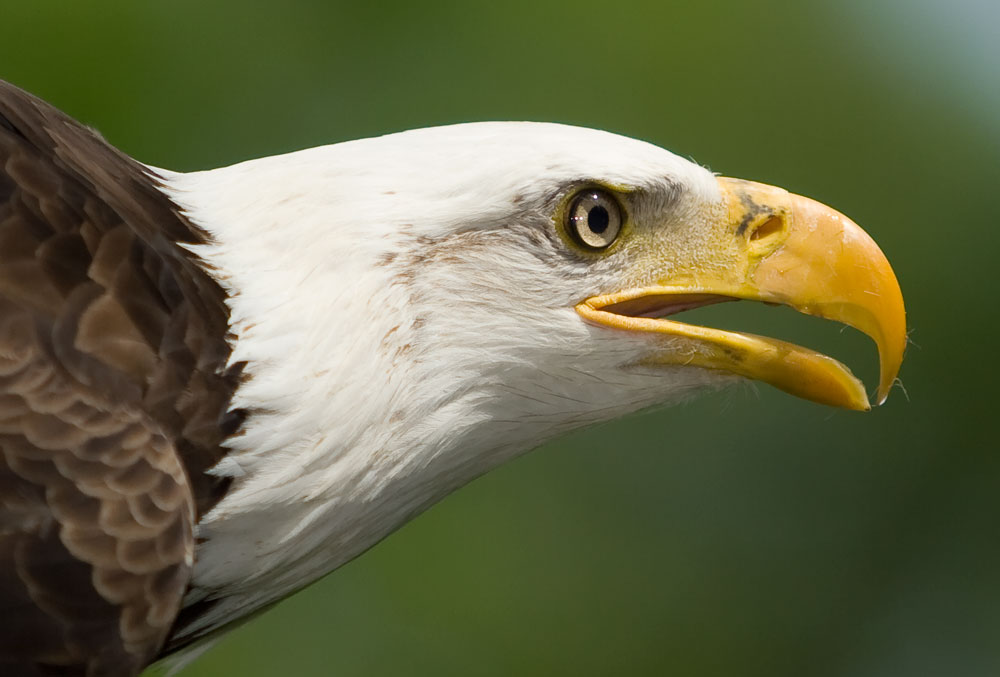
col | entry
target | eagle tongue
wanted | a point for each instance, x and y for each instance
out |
(662, 305)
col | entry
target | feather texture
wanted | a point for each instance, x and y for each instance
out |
(113, 399)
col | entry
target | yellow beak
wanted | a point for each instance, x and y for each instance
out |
(778, 248)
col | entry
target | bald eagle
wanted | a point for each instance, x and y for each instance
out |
(216, 387)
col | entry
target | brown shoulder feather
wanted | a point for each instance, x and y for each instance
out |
(114, 399)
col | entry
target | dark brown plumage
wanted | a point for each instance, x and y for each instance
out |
(113, 399)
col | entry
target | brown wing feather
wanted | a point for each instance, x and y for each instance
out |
(113, 399)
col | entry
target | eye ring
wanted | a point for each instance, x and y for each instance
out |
(594, 219)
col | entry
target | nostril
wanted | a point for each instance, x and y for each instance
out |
(772, 226)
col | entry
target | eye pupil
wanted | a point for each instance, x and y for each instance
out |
(598, 219)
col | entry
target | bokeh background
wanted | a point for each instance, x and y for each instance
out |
(746, 533)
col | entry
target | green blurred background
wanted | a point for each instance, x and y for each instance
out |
(747, 533)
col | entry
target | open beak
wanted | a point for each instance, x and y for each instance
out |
(786, 249)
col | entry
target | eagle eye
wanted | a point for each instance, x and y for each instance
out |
(594, 219)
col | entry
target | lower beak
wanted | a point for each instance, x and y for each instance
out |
(788, 250)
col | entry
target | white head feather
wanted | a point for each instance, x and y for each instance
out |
(405, 310)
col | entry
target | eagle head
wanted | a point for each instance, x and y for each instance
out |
(416, 308)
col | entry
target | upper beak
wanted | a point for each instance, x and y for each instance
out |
(778, 248)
